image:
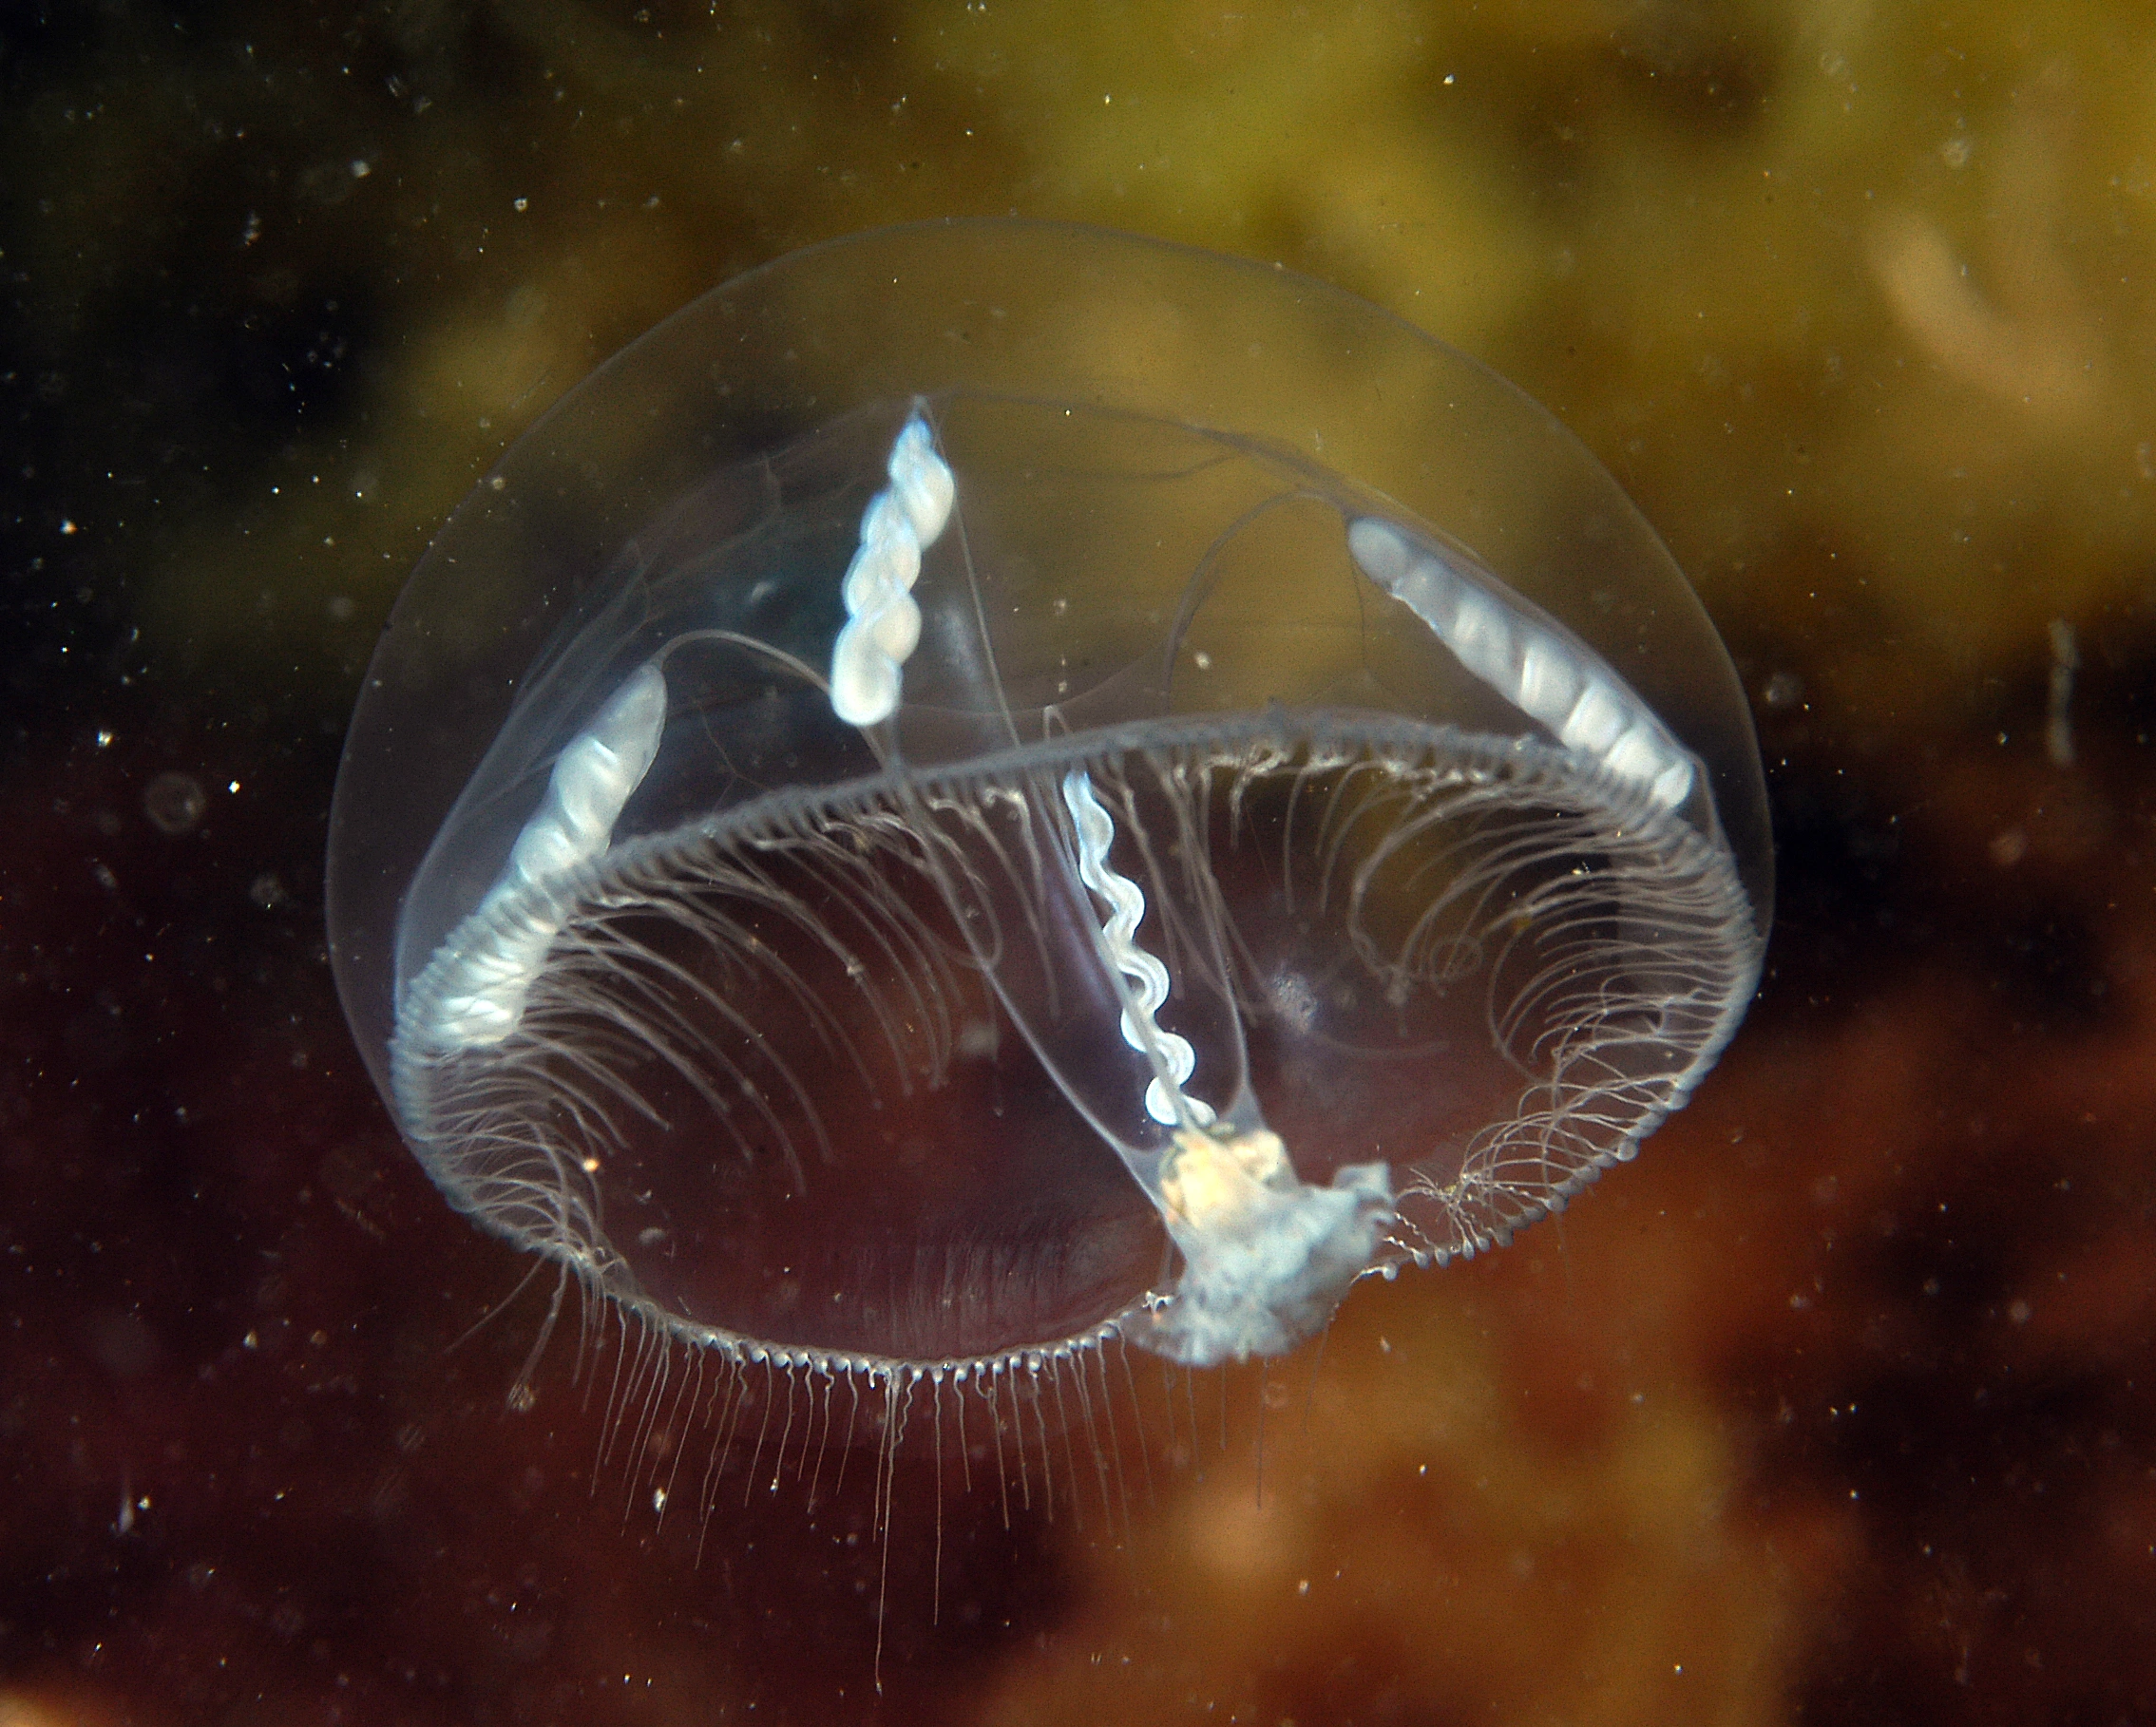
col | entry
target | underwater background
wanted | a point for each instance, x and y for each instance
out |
(1835, 1407)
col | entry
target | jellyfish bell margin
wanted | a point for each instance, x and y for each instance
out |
(932, 814)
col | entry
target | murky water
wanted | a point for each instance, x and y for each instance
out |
(1832, 1403)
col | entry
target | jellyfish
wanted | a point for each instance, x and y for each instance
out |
(990, 790)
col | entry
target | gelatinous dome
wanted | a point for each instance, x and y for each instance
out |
(988, 786)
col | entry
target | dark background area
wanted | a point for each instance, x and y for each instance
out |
(1835, 1407)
